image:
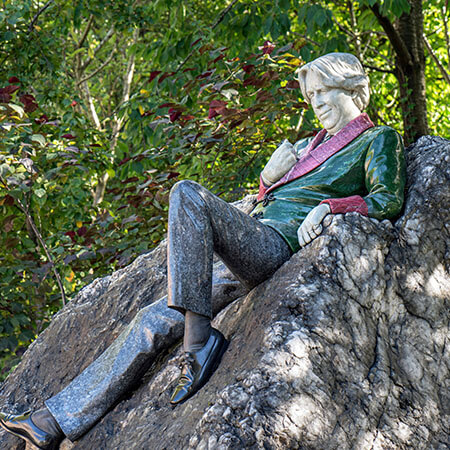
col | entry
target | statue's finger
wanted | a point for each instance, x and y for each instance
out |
(305, 235)
(301, 241)
(318, 229)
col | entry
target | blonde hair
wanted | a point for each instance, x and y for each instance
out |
(339, 70)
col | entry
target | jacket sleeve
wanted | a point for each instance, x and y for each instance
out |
(385, 178)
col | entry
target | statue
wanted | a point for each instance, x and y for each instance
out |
(349, 166)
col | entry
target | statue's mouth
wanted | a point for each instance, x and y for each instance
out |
(324, 114)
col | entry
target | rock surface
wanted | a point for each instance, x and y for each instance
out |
(345, 347)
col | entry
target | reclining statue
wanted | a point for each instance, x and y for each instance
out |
(349, 166)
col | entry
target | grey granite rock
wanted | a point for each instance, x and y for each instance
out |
(345, 347)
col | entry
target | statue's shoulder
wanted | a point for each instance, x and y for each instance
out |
(384, 133)
(383, 130)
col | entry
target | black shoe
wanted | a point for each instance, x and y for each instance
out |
(199, 366)
(24, 427)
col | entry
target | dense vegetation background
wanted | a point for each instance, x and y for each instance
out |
(105, 104)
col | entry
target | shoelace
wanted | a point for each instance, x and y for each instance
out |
(187, 366)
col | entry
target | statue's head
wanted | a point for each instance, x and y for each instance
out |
(337, 88)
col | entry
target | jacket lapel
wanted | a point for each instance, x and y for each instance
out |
(316, 153)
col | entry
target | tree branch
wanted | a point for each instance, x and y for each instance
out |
(36, 17)
(86, 31)
(30, 220)
(447, 37)
(224, 13)
(91, 105)
(433, 55)
(118, 121)
(219, 19)
(96, 71)
(378, 69)
(108, 36)
(397, 42)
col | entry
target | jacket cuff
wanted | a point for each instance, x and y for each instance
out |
(355, 203)
(262, 189)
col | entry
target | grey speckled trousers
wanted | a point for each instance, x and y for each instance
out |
(199, 224)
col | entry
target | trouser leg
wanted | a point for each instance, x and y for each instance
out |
(92, 393)
(199, 225)
(155, 328)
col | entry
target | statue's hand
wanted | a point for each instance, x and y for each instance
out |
(281, 161)
(312, 225)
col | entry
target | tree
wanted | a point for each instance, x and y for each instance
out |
(104, 105)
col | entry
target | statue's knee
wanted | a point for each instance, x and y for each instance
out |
(182, 188)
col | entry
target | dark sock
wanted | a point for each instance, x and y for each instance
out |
(46, 422)
(197, 329)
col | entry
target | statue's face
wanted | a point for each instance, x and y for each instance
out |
(334, 107)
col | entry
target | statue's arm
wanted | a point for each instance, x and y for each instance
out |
(385, 178)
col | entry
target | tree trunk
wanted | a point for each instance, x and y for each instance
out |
(411, 76)
(406, 37)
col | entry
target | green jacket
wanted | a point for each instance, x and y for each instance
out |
(366, 175)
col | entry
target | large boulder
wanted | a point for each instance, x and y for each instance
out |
(346, 346)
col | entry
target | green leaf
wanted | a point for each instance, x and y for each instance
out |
(38, 138)
(268, 25)
(19, 110)
(40, 192)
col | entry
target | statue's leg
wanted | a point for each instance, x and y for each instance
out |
(92, 393)
(231, 234)
(199, 225)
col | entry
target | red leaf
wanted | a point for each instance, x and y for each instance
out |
(94, 145)
(189, 69)
(165, 105)
(9, 201)
(248, 68)
(68, 136)
(204, 48)
(204, 75)
(187, 117)
(267, 48)
(212, 113)
(196, 42)
(217, 104)
(219, 58)
(216, 107)
(254, 81)
(71, 234)
(293, 84)
(14, 80)
(174, 114)
(172, 175)
(9, 89)
(153, 75)
(29, 102)
(124, 160)
(82, 231)
(164, 76)
(4, 98)
(74, 103)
